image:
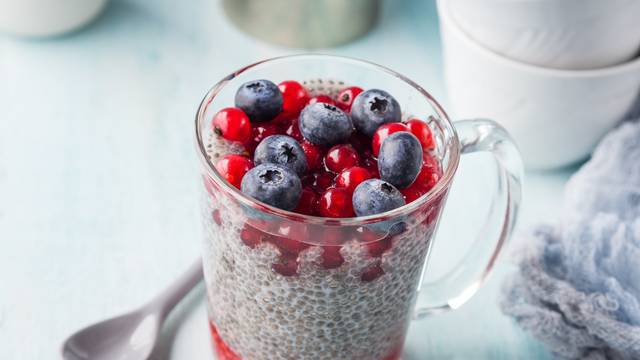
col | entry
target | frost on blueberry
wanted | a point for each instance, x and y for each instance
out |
(273, 184)
(373, 108)
(261, 100)
(325, 124)
(282, 150)
(400, 159)
(375, 196)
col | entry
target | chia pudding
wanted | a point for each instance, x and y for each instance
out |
(294, 288)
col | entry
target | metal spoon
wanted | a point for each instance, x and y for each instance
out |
(131, 336)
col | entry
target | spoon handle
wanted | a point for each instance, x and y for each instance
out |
(171, 296)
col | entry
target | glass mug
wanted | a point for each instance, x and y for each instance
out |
(282, 285)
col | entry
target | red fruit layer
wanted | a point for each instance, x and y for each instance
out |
(352, 177)
(294, 96)
(383, 132)
(233, 167)
(233, 124)
(345, 97)
(422, 131)
(336, 203)
(341, 157)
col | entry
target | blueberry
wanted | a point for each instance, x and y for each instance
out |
(273, 184)
(373, 108)
(324, 124)
(282, 150)
(400, 159)
(375, 196)
(261, 100)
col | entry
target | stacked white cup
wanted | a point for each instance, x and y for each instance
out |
(558, 74)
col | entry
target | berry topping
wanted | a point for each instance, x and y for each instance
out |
(233, 167)
(321, 180)
(293, 130)
(233, 124)
(321, 99)
(422, 131)
(294, 97)
(341, 157)
(352, 177)
(282, 150)
(308, 204)
(336, 203)
(331, 257)
(261, 100)
(375, 196)
(259, 133)
(383, 132)
(313, 154)
(427, 178)
(373, 108)
(345, 97)
(400, 159)
(273, 184)
(325, 124)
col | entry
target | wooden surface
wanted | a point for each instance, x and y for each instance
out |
(98, 176)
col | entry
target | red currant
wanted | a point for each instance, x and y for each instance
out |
(371, 273)
(321, 99)
(336, 203)
(313, 154)
(322, 180)
(383, 132)
(293, 130)
(422, 131)
(259, 133)
(331, 257)
(294, 96)
(352, 177)
(233, 124)
(287, 265)
(346, 96)
(233, 167)
(341, 157)
(430, 172)
(308, 204)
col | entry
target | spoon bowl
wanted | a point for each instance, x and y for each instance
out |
(131, 336)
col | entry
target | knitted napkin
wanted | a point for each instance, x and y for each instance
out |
(577, 288)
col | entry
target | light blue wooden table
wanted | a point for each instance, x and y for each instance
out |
(98, 190)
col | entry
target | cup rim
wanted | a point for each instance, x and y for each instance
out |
(447, 19)
(441, 186)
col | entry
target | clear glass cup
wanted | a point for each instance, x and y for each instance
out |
(281, 285)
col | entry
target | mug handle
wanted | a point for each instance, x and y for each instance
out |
(463, 281)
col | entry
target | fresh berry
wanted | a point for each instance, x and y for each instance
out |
(273, 184)
(430, 172)
(400, 159)
(422, 131)
(341, 157)
(371, 164)
(352, 177)
(345, 97)
(287, 265)
(321, 180)
(259, 133)
(321, 99)
(308, 204)
(336, 203)
(373, 108)
(325, 124)
(313, 154)
(375, 196)
(233, 167)
(383, 132)
(413, 192)
(282, 150)
(371, 273)
(233, 124)
(331, 257)
(293, 130)
(261, 100)
(294, 96)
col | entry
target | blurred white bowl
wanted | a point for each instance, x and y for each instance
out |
(562, 34)
(556, 116)
(47, 17)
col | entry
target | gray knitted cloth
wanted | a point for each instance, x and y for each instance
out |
(577, 288)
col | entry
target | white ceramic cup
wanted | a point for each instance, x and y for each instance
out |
(562, 34)
(47, 17)
(555, 116)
